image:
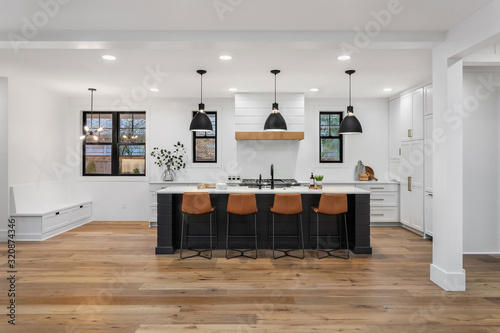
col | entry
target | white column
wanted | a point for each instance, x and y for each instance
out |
(4, 145)
(447, 264)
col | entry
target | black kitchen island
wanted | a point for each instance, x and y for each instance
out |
(170, 218)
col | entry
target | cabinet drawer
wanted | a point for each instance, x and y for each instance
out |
(376, 187)
(81, 213)
(55, 220)
(153, 213)
(384, 198)
(384, 214)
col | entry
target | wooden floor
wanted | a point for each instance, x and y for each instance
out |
(105, 277)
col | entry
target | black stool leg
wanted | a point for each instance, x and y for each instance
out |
(256, 246)
(227, 233)
(302, 237)
(182, 234)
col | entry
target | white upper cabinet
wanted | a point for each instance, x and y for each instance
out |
(428, 100)
(417, 131)
(394, 132)
(405, 117)
(412, 116)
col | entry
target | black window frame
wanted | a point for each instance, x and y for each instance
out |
(195, 136)
(115, 144)
(340, 136)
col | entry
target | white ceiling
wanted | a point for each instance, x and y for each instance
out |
(302, 38)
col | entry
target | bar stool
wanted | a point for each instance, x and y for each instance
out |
(196, 203)
(288, 204)
(241, 204)
(332, 204)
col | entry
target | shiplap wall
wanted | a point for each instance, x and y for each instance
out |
(252, 110)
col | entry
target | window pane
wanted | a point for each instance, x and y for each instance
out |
(330, 149)
(324, 130)
(139, 121)
(98, 159)
(205, 150)
(132, 159)
(324, 119)
(126, 120)
(334, 130)
(335, 119)
(132, 136)
(93, 121)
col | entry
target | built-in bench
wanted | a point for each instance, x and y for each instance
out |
(44, 210)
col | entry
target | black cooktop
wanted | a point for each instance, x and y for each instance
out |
(267, 182)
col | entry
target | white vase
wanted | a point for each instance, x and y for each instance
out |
(168, 175)
(319, 182)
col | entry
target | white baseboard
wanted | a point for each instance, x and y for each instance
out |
(3, 235)
(36, 237)
(481, 253)
(449, 281)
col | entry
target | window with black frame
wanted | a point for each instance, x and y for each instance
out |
(330, 141)
(120, 149)
(205, 143)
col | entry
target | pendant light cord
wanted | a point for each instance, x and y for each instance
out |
(201, 89)
(274, 88)
(349, 89)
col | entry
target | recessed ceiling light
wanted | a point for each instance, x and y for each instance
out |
(233, 89)
(314, 89)
(154, 89)
(225, 57)
(344, 57)
(108, 57)
(387, 89)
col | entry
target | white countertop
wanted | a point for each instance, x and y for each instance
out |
(243, 189)
(302, 182)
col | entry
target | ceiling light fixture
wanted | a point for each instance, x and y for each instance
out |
(314, 89)
(154, 89)
(225, 57)
(89, 131)
(275, 121)
(233, 89)
(108, 57)
(350, 124)
(201, 122)
(387, 89)
(344, 57)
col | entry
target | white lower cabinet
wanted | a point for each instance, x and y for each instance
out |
(412, 184)
(384, 203)
(428, 202)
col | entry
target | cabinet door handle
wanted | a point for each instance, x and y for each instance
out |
(409, 184)
(376, 214)
(376, 188)
(399, 151)
(410, 134)
(377, 199)
(430, 194)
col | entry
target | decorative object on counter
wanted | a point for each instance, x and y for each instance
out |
(275, 121)
(89, 131)
(172, 160)
(221, 186)
(201, 122)
(370, 173)
(363, 177)
(312, 180)
(319, 179)
(350, 124)
(360, 168)
(204, 185)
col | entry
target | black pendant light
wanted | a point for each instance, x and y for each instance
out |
(350, 124)
(201, 122)
(275, 122)
(90, 131)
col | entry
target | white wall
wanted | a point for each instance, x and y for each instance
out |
(481, 165)
(168, 121)
(4, 180)
(37, 134)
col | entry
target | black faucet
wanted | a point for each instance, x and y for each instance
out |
(260, 182)
(272, 177)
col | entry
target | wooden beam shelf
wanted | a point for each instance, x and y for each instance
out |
(269, 135)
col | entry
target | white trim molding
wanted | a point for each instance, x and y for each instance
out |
(449, 281)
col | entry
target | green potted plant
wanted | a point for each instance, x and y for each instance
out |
(319, 179)
(172, 160)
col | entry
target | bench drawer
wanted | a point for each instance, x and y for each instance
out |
(55, 220)
(81, 213)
